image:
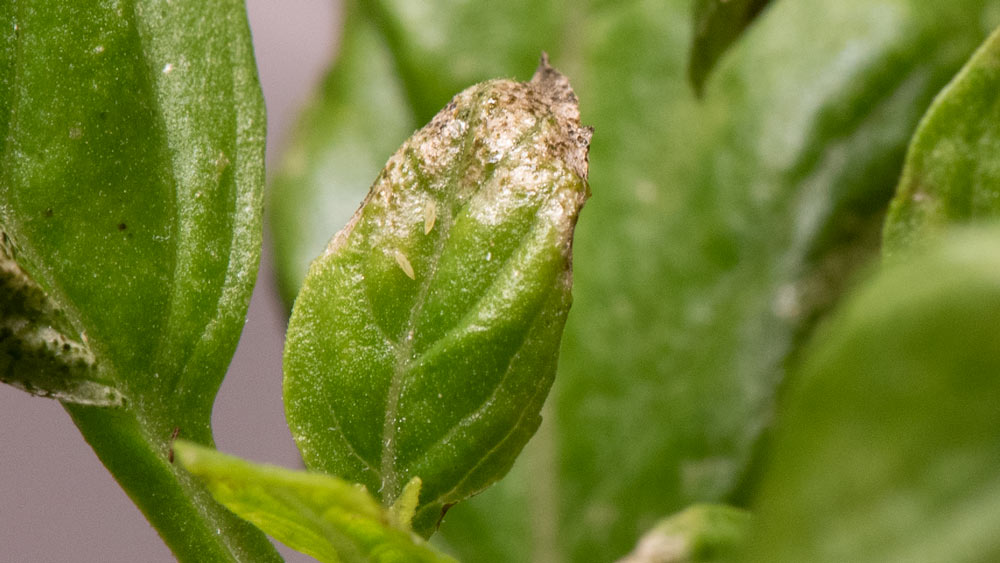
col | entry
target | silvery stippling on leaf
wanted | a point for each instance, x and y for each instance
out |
(425, 338)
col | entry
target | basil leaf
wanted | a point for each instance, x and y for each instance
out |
(952, 171)
(717, 25)
(322, 516)
(424, 340)
(130, 206)
(887, 444)
(721, 232)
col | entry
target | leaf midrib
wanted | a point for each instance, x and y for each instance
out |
(403, 351)
(572, 57)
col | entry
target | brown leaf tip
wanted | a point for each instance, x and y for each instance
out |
(553, 87)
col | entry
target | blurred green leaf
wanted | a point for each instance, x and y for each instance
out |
(322, 516)
(356, 120)
(425, 338)
(952, 171)
(497, 40)
(719, 231)
(717, 25)
(130, 203)
(888, 442)
(703, 533)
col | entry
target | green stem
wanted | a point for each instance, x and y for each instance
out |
(193, 525)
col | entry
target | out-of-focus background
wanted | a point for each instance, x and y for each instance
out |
(57, 502)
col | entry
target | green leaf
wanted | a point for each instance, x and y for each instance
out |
(322, 516)
(133, 137)
(717, 25)
(703, 533)
(424, 340)
(952, 171)
(720, 232)
(887, 445)
(354, 123)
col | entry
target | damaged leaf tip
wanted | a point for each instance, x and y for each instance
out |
(558, 93)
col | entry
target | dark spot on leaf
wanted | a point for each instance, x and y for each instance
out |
(173, 436)
(444, 510)
(48, 212)
(122, 226)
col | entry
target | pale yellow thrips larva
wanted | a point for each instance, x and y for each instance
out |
(404, 264)
(430, 215)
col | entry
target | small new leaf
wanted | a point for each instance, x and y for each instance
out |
(423, 343)
(402, 510)
(952, 171)
(322, 516)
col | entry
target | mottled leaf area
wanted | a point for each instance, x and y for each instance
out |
(425, 338)
(39, 351)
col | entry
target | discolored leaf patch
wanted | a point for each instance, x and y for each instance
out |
(39, 352)
(423, 343)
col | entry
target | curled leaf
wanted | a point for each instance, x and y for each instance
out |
(39, 351)
(428, 352)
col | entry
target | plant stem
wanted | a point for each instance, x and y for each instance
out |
(193, 525)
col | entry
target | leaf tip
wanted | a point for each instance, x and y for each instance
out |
(555, 89)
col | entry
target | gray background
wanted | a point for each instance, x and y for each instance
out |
(57, 503)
